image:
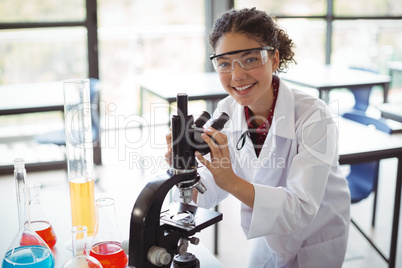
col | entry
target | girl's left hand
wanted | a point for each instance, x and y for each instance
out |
(220, 165)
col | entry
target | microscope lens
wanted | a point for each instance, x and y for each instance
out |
(202, 119)
(219, 123)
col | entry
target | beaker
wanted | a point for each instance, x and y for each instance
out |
(80, 250)
(39, 220)
(27, 248)
(106, 241)
(79, 150)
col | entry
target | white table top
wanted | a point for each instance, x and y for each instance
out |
(357, 141)
(395, 66)
(196, 85)
(33, 97)
(330, 77)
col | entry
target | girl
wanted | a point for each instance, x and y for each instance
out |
(278, 153)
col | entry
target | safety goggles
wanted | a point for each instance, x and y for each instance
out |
(248, 59)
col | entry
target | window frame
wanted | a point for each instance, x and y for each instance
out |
(330, 17)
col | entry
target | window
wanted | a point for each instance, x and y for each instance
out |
(42, 11)
(289, 7)
(142, 36)
(43, 54)
(367, 43)
(359, 8)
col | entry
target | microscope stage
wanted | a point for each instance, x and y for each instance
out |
(188, 218)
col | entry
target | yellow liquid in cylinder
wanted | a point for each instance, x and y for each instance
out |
(83, 203)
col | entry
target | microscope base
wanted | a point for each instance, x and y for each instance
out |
(187, 260)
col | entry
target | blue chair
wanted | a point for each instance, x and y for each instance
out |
(362, 94)
(58, 137)
(363, 178)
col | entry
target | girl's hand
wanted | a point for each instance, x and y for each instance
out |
(220, 164)
(168, 154)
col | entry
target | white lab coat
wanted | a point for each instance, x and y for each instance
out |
(301, 209)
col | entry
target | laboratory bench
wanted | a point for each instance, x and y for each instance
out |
(123, 185)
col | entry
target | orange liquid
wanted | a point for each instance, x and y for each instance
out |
(45, 230)
(28, 239)
(83, 203)
(109, 254)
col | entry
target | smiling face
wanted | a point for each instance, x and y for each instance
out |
(252, 88)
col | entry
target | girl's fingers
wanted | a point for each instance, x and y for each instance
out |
(169, 139)
(218, 136)
(219, 139)
(200, 158)
(212, 145)
(168, 156)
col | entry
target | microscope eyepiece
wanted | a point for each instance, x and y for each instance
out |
(220, 122)
(198, 143)
(202, 119)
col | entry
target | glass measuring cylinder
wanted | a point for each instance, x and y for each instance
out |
(39, 220)
(79, 150)
(27, 248)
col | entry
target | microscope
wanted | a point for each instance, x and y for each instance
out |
(161, 238)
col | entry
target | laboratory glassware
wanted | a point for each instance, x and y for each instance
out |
(79, 149)
(40, 222)
(106, 241)
(80, 250)
(27, 248)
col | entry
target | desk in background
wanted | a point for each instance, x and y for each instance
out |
(394, 66)
(326, 78)
(391, 111)
(358, 144)
(198, 86)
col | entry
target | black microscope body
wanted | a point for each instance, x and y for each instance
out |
(160, 238)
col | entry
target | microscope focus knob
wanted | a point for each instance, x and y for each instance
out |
(158, 256)
(194, 240)
(200, 187)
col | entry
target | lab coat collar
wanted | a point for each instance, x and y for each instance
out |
(283, 123)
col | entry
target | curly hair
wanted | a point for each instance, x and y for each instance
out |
(257, 25)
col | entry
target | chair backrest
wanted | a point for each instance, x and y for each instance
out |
(362, 98)
(362, 118)
(362, 180)
(362, 94)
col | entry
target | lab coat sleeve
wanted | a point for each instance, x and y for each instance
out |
(283, 210)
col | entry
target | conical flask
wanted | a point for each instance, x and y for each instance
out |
(27, 248)
(39, 220)
(79, 150)
(79, 244)
(106, 241)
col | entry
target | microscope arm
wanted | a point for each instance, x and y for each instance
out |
(145, 228)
